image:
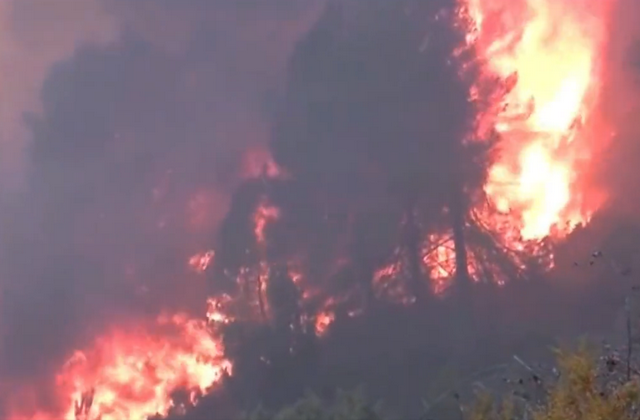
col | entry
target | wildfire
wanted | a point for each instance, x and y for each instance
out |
(440, 260)
(548, 53)
(264, 214)
(551, 49)
(216, 306)
(133, 373)
(201, 261)
(323, 321)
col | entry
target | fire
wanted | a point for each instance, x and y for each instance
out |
(385, 280)
(216, 313)
(264, 214)
(323, 321)
(440, 260)
(551, 50)
(201, 261)
(131, 374)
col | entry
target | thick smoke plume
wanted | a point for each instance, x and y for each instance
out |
(33, 39)
(130, 146)
(318, 149)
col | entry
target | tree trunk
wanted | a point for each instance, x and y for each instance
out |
(458, 210)
(412, 239)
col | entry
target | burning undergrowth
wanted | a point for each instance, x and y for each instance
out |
(416, 146)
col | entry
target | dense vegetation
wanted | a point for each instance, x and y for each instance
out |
(580, 387)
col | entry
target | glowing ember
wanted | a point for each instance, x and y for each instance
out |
(440, 259)
(216, 313)
(325, 317)
(201, 261)
(388, 281)
(132, 374)
(553, 49)
(264, 214)
(323, 321)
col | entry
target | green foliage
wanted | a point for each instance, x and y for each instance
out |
(580, 392)
(346, 406)
(486, 409)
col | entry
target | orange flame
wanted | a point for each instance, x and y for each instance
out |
(552, 48)
(131, 374)
(201, 261)
(216, 313)
(264, 214)
(323, 320)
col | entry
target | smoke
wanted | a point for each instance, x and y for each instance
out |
(614, 229)
(136, 119)
(372, 130)
(622, 106)
(130, 157)
(375, 133)
(33, 38)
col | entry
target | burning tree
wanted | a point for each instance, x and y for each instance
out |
(381, 136)
(375, 153)
(416, 143)
(375, 128)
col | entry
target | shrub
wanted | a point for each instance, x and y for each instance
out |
(580, 391)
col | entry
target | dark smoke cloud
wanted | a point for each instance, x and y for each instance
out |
(372, 129)
(145, 110)
(34, 35)
(615, 229)
(132, 133)
(619, 159)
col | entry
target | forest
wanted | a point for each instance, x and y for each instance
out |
(424, 210)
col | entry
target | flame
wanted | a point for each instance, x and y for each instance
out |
(323, 320)
(201, 261)
(216, 309)
(551, 50)
(388, 280)
(439, 259)
(132, 373)
(264, 214)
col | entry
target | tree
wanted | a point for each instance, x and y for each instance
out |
(582, 391)
(377, 128)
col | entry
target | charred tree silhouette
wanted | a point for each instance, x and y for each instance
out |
(376, 132)
(284, 301)
(458, 224)
(378, 121)
(81, 210)
(412, 241)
